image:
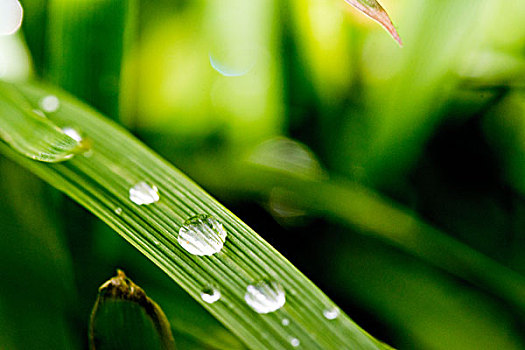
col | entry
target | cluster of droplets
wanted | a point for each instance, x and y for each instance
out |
(203, 235)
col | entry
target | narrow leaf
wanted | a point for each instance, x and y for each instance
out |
(374, 10)
(124, 317)
(102, 183)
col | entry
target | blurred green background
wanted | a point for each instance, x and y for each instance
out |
(258, 101)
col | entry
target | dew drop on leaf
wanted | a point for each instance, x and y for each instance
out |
(331, 313)
(295, 342)
(265, 296)
(202, 235)
(143, 193)
(210, 294)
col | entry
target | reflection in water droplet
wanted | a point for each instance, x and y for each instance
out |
(142, 193)
(210, 295)
(265, 296)
(295, 342)
(331, 314)
(285, 322)
(11, 14)
(49, 103)
(202, 235)
(73, 133)
(118, 211)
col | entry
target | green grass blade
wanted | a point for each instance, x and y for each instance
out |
(101, 183)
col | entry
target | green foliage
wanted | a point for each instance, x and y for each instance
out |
(402, 201)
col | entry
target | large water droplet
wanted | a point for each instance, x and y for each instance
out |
(295, 342)
(331, 313)
(142, 193)
(202, 235)
(210, 294)
(49, 103)
(265, 296)
(11, 14)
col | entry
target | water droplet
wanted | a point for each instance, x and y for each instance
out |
(11, 14)
(210, 294)
(295, 342)
(331, 314)
(143, 193)
(118, 211)
(156, 242)
(265, 296)
(73, 133)
(202, 235)
(49, 103)
(285, 322)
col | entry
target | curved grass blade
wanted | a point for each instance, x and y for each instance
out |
(124, 317)
(31, 133)
(374, 10)
(101, 183)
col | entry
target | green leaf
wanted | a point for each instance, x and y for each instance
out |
(124, 317)
(101, 182)
(374, 10)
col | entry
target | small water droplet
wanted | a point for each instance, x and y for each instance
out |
(49, 103)
(202, 235)
(142, 193)
(118, 211)
(331, 314)
(210, 294)
(265, 296)
(73, 133)
(285, 322)
(11, 14)
(295, 342)
(156, 242)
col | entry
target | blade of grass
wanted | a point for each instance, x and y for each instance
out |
(101, 183)
(374, 10)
